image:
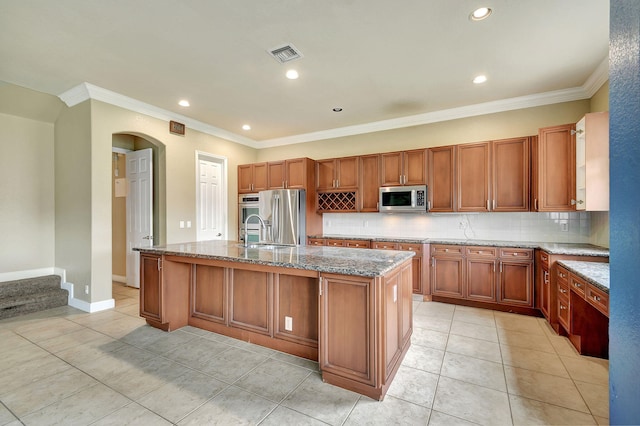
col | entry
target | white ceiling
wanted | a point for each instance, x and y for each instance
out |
(379, 60)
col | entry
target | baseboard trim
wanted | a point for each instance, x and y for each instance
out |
(119, 278)
(84, 305)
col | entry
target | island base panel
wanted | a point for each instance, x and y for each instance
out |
(291, 348)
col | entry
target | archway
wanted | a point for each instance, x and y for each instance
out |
(123, 142)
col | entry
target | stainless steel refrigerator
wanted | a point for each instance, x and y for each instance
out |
(283, 212)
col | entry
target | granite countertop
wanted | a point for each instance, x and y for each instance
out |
(338, 260)
(570, 249)
(596, 273)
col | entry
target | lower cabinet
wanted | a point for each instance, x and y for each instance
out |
(547, 283)
(583, 314)
(486, 276)
(350, 329)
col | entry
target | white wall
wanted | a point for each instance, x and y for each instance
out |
(26, 194)
(530, 226)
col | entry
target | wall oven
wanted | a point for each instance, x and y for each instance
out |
(248, 204)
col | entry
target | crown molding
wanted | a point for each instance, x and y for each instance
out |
(597, 78)
(521, 102)
(86, 91)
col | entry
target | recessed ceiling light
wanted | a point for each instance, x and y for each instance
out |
(246, 127)
(292, 74)
(184, 103)
(480, 14)
(480, 79)
(337, 109)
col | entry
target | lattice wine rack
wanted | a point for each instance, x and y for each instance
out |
(337, 201)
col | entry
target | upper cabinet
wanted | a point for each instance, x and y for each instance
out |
(252, 178)
(473, 177)
(337, 173)
(510, 183)
(592, 162)
(296, 173)
(441, 186)
(555, 174)
(369, 183)
(480, 177)
(404, 168)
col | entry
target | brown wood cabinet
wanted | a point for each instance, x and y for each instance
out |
(583, 314)
(510, 175)
(337, 173)
(404, 168)
(155, 292)
(420, 268)
(473, 177)
(351, 329)
(546, 282)
(441, 183)
(297, 173)
(447, 271)
(493, 277)
(555, 169)
(252, 177)
(368, 191)
(493, 176)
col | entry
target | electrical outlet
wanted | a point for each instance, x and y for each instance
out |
(188, 224)
(181, 224)
(564, 227)
(86, 289)
(288, 323)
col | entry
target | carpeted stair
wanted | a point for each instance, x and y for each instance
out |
(31, 295)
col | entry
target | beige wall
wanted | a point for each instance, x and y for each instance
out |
(600, 100)
(73, 199)
(502, 125)
(27, 227)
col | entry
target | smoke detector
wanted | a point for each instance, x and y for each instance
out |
(285, 53)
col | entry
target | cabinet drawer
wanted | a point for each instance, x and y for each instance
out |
(357, 243)
(598, 298)
(563, 311)
(417, 248)
(316, 242)
(515, 253)
(578, 286)
(544, 258)
(562, 275)
(447, 250)
(384, 246)
(485, 252)
(336, 243)
(563, 289)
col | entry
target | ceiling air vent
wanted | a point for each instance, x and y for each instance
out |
(285, 53)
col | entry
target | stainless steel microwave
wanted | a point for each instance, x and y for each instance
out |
(403, 199)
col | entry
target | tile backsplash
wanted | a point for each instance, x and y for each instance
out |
(569, 227)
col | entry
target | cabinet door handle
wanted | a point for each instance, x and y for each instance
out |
(562, 307)
(500, 267)
(535, 204)
(544, 258)
(596, 298)
(320, 285)
(159, 264)
(494, 204)
(562, 290)
(488, 205)
(577, 285)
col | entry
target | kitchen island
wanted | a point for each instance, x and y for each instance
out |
(349, 309)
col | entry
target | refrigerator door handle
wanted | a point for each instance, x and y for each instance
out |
(275, 217)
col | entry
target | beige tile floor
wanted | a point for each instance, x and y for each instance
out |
(465, 366)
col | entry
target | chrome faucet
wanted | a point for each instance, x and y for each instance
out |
(246, 221)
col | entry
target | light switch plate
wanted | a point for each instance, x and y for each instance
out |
(288, 323)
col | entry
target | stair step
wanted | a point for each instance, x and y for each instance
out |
(28, 286)
(13, 306)
(31, 295)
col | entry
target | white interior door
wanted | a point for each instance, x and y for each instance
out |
(139, 210)
(211, 200)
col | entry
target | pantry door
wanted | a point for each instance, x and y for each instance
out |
(139, 210)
